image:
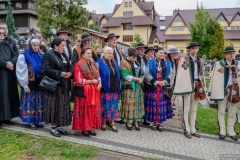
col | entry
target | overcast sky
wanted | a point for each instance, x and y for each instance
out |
(163, 7)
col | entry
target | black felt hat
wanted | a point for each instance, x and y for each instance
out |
(86, 37)
(237, 56)
(149, 49)
(229, 49)
(193, 44)
(141, 45)
(63, 30)
(111, 35)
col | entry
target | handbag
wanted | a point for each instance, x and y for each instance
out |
(168, 92)
(49, 84)
(79, 91)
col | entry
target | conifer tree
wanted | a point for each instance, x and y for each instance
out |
(10, 21)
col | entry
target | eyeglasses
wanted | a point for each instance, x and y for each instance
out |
(5, 28)
(1, 33)
(79, 41)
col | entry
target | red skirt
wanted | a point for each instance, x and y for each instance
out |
(86, 117)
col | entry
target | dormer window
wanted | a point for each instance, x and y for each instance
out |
(178, 19)
(162, 28)
(221, 18)
(125, 4)
(237, 18)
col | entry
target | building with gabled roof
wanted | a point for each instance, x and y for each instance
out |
(139, 16)
(24, 14)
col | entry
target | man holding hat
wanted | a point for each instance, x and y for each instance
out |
(63, 33)
(189, 69)
(237, 57)
(112, 42)
(224, 76)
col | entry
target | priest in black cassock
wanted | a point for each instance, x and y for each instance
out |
(9, 99)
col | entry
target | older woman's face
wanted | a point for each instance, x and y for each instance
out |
(132, 58)
(87, 54)
(35, 47)
(60, 47)
(108, 55)
(160, 54)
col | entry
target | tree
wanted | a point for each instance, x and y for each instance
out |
(56, 14)
(217, 43)
(94, 27)
(202, 30)
(136, 40)
(10, 21)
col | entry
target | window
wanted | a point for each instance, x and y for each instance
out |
(232, 27)
(2, 6)
(127, 38)
(125, 4)
(237, 27)
(128, 14)
(130, 4)
(162, 28)
(221, 18)
(127, 26)
(18, 5)
(178, 19)
(224, 28)
(178, 28)
(237, 18)
(162, 18)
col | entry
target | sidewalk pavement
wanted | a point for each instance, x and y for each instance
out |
(170, 144)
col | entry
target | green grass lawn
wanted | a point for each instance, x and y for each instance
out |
(17, 145)
(207, 121)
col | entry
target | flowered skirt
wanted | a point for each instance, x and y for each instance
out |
(57, 108)
(157, 113)
(132, 107)
(109, 105)
(86, 117)
(31, 106)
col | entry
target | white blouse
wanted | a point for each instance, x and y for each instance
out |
(22, 71)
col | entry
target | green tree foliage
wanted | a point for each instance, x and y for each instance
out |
(136, 40)
(94, 27)
(56, 14)
(10, 21)
(217, 43)
(202, 30)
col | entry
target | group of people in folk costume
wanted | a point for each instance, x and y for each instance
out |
(144, 82)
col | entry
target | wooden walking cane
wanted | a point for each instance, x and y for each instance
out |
(183, 121)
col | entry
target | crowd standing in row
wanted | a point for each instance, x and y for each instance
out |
(143, 84)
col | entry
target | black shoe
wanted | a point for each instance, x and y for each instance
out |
(235, 138)
(136, 128)
(62, 131)
(111, 126)
(39, 125)
(173, 114)
(222, 137)
(0, 125)
(121, 121)
(86, 134)
(8, 122)
(32, 126)
(146, 123)
(55, 133)
(103, 128)
(92, 133)
(128, 128)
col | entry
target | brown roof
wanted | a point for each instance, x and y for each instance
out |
(136, 21)
(22, 30)
(22, 11)
(98, 17)
(232, 34)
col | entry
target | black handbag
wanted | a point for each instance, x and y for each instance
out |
(168, 92)
(79, 91)
(49, 84)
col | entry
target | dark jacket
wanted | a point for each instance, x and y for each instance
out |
(12, 43)
(53, 67)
